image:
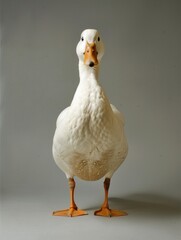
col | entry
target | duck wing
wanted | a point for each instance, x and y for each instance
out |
(62, 116)
(119, 116)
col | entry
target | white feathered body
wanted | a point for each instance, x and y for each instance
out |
(89, 140)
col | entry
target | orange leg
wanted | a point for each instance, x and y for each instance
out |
(105, 211)
(73, 211)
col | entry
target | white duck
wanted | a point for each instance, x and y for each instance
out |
(89, 140)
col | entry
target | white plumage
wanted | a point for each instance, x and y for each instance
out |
(89, 140)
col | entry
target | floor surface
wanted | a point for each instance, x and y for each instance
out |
(28, 216)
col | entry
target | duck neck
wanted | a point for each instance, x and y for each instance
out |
(86, 72)
(88, 84)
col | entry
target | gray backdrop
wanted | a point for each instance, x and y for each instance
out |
(139, 72)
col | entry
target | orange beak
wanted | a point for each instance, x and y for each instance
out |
(90, 55)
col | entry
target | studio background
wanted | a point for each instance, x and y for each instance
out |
(39, 75)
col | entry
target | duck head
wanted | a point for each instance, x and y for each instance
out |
(90, 48)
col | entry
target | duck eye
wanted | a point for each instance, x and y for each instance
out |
(98, 39)
(82, 38)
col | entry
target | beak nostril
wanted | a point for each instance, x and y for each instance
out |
(91, 64)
